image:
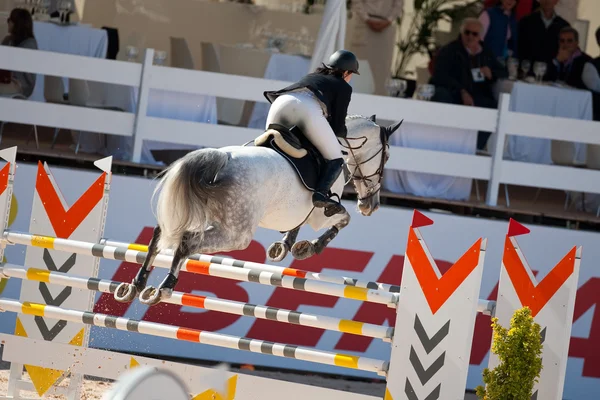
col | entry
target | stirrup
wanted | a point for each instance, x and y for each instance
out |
(331, 206)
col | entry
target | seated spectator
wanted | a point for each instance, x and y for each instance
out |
(20, 34)
(568, 64)
(465, 71)
(538, 34)
(500, 31)
(591, 79)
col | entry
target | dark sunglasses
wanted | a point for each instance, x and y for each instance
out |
(471, 33)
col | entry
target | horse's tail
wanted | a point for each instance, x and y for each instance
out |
(189, 190)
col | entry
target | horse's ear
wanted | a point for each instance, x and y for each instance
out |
(372, 117)
(391, 129)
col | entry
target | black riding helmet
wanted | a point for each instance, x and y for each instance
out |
(344, 60)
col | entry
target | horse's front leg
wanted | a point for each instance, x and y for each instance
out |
(304, 249)
(126, 292)
(278, 250)
(151, 295)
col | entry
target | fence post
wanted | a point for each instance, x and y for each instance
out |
(498, 151)
(142, 105)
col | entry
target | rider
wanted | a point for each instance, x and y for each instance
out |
(318, 104)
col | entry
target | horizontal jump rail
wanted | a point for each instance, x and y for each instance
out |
(205, 268)
(483, 306)
(208, 303)
(342, 280)
(193, 335)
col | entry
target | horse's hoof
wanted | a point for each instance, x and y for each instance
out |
(277, 251)
(150, 296)
(125, 293)
(303, 249)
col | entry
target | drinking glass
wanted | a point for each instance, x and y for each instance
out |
(426, 92)
(513, 69)
(132, 53)
(160, 57)
(525, 67)
(539, 69)
(395, 87)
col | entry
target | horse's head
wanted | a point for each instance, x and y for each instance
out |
(368, 151)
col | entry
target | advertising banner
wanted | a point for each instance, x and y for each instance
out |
(370, 248)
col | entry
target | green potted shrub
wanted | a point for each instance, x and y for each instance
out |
(519, 351)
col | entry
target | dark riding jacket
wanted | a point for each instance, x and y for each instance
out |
(334, 92)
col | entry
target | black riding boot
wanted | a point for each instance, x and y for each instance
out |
(320, 198)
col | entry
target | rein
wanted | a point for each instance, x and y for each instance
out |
(367, 178)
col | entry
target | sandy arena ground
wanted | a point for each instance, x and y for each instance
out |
(93, 389)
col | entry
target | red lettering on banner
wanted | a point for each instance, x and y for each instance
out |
(378, 313)
(331, 258)
(223, 288)
(482, 335)
(588, 348)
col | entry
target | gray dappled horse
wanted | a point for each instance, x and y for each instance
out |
(212, 200)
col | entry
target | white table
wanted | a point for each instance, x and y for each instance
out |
(281, 67)
(430, 185)
(71, 39)
(544, 100)
(161, 104)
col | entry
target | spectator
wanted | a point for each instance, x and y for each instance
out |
(20, 34)
(538, 33)
(591, 79)
(500, 31)
(523, 8)
(568, 64)
(374, 36)
(465, 71)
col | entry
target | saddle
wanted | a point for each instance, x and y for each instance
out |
(292, 145)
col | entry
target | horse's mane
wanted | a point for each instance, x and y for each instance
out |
(364, 122)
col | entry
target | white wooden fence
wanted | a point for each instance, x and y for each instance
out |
(146, 76)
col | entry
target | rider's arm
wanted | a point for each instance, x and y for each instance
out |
(340, 110)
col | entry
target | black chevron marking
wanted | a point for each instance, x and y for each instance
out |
(67, 265)
(427, 342)
(49, 334)
(54, 301)
(534, 396)
(543, 335)
(411, 395)
(425, 374)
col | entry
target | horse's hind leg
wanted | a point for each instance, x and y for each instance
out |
(150, 295)
(278, 250)
(304, 249)
(126, 292)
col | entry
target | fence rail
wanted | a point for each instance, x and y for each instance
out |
(146, 76)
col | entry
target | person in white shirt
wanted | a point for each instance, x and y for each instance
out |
(374, 36)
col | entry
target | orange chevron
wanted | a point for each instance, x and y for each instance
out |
(64, 221)
(536, 297)
(437, 291)
(4, 177)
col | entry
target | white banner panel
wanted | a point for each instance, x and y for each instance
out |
(371, 248)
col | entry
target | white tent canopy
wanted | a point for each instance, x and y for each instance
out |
(331, 34)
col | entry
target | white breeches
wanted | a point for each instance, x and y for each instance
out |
(304, 110)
